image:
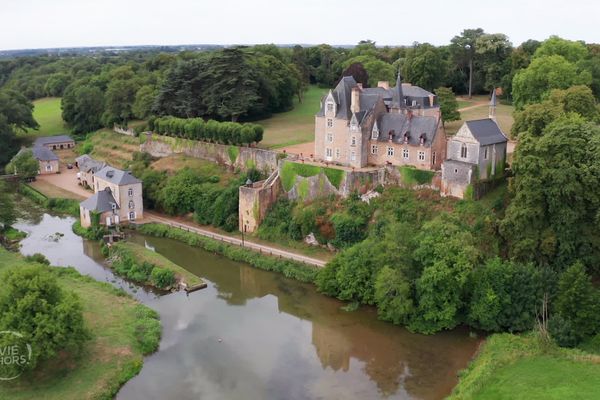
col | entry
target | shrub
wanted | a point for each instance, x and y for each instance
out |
(38, 258)
(162, 278)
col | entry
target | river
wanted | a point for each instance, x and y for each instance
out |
(254, 334)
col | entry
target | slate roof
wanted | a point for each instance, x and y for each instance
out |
(402, 124)
(486, 131)
(42, 153)
(86, 163)
(342, 95)
(100, 202)
(117, 176)
(46, 140)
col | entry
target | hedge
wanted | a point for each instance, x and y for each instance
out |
(290, 269)
(67, 206)
(211, 131)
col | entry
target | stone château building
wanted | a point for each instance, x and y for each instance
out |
(476, 153)
(358, 126)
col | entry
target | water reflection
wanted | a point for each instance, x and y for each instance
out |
(257, 335)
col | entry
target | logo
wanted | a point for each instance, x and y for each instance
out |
(15, 354)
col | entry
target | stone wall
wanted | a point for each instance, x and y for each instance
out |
(122, 131)
(242, 158)
(255, 200)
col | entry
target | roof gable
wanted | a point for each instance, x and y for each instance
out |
(486, 131)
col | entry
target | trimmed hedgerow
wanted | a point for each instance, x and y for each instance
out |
(288, 268)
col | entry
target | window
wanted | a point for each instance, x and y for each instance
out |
(421, 156)
(463, 151)
(132, 216)
(390, 151)
(130, 192)
(329, 107)
(113, 206)
(328, 152)
(414, 103)
(353, 156)
(433, 158)
(374, 149)
(353, 141)
(405, 154)
(375, 132)
(330, 122)
(49, 167)
(330, 138)
(455, 170)
(485, 153)
(131, 204)
(337, 153)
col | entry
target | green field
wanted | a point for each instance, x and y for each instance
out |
(520, 367)
(47, 113)
(295, 126)
(503, 114)
(113, 355)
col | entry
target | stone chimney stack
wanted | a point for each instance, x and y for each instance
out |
(355, 100)
(384, 84)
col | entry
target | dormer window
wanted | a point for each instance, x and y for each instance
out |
(414, 103)
(330, 107)
(406, 137)
(463, 151)
(375, 132)
(422, 139)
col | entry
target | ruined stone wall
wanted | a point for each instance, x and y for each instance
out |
(255, 201)
(242, 158)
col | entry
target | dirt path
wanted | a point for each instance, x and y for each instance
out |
(272, 251)
(475, 105)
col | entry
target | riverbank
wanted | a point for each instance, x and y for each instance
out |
(150, 268)
(521, 367)
(290, 269)
(123, 331)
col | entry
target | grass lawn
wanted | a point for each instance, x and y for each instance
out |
(295, 126)
(47, 113)
(519, 367)
(503, 116)
(113, 355)
(142, 254)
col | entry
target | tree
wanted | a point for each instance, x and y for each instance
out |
(571, 51)
(82, 107)
(24, 164)
(119, 99)
(393, 295)
(49, 317)
(505, 296)
(553, 215)
(358, 72)
(8, 215)
(577, 307)
(448, 104)
(424, 66)
(377, 70)
(545, 73)
(16, 114)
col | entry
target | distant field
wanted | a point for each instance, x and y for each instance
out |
(295, 126)
(503, 114)
(47, 113)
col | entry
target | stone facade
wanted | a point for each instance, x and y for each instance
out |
(49, 167)
(255, 200)
(359, 127)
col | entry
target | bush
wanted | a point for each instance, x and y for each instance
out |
(38, 258)
(147, 330)
(49, 317)
(162, 278)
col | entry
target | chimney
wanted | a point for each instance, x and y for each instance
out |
(355, 100)
(431, 99)
(360, 85)
(384, 84)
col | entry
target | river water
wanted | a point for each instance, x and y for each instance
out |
(254, 334)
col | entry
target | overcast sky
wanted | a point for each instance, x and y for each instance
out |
(72, 23)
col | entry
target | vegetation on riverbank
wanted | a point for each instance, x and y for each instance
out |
(290, 269)
(148, 267)
(60, 205)
(524, 367)
(122, 331)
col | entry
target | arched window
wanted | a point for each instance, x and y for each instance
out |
(131, 204)
(463, 151)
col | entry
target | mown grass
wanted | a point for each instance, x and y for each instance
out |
(48, 114)
(142, 254)
(522, 367)
(290, 170)
(412, 176)
(295, 126)
(503, 117)
(122, 329)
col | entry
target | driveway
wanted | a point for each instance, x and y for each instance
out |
(66, 180)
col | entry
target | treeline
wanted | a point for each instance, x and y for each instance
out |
(211, 131)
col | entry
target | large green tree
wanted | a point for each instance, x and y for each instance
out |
(448, 104)
(16, 114)
(23, 164)
(552, 218)
(49, 317)
(424, 66)
(82, 107)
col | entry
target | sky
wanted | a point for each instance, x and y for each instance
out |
(76, 23)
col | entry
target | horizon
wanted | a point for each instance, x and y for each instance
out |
(38, 25)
